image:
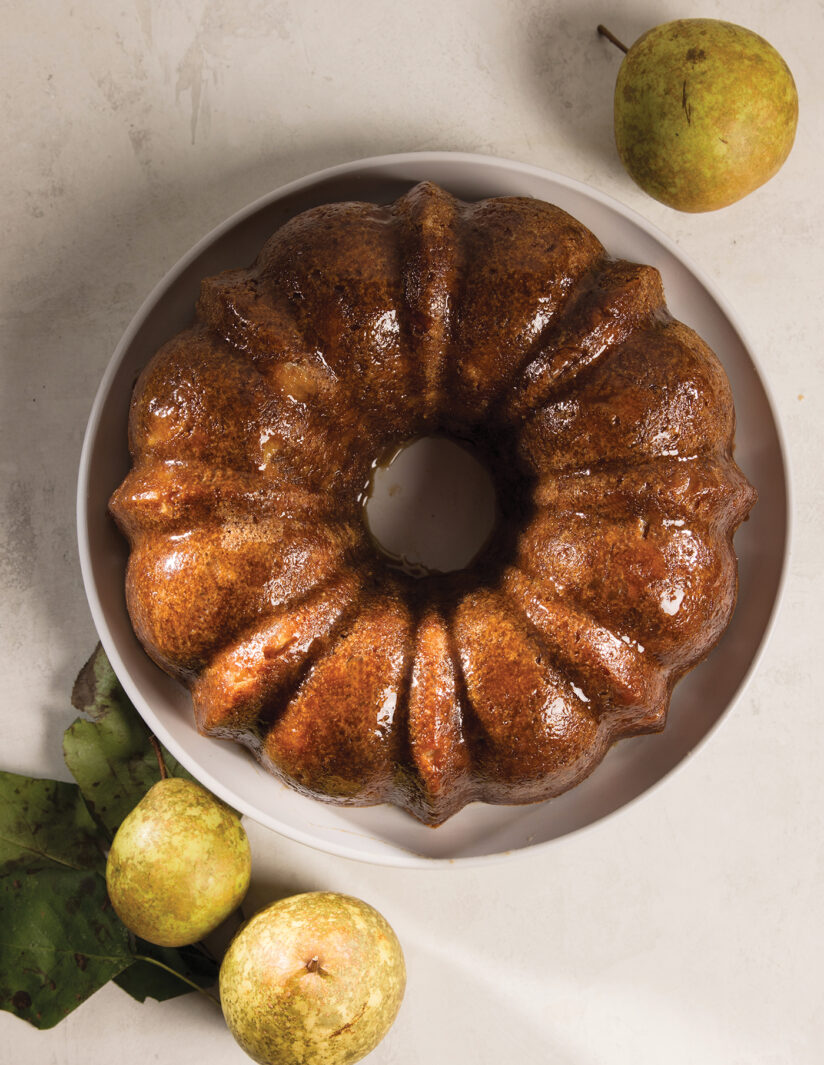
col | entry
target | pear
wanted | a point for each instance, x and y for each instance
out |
(179, 864)
(315, 979)
(705, 112)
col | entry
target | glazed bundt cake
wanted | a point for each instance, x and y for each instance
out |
(606, 425)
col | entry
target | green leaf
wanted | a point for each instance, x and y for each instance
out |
(144, 980)
(60, 939)
(111, 756)
(44, 823)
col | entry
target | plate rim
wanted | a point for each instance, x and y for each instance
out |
(393, 855)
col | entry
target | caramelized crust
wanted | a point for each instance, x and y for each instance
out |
(608, 428)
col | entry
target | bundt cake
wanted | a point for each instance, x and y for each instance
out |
(606, 425)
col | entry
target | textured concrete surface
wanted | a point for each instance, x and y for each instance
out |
(689, 927)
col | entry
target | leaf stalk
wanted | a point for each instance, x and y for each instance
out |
(180, 976)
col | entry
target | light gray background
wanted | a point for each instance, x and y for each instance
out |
(686, 929)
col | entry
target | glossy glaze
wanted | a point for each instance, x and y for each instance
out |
(607, 427)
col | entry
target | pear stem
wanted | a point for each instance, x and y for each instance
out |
(159, 753)
(180, 976)
(611, 37)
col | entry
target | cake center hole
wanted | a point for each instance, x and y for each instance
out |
(431, 508)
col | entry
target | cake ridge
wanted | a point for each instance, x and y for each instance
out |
(664, 614)
(552, 592)
(519, 704)
(317, 651)
(472, 730)
(633, 295)
(351, 311)
(549, 656)
(708, 490)
(355, 764)
(646, 400)
(428, 220)
(635, 688)
(437, 745)
(515, 280)
(329, 604)
(231, 303)
(208, 490)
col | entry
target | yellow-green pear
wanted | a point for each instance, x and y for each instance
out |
(179, 864)
(315, 979)
(705, 112)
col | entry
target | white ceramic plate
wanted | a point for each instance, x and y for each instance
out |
(383, 834)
